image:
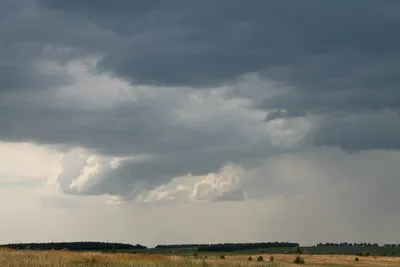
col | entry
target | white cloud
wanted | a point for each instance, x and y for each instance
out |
(219, 185)
(224, 185)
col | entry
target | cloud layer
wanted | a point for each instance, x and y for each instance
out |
(158, 100)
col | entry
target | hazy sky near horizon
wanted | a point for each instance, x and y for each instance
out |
(187, 121)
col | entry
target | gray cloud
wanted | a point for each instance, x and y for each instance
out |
(358, 132)
(335, 57)
(134, 127)
(167, 151)
(304, 44)
(170, 147)
(332, 63)
(22, 52)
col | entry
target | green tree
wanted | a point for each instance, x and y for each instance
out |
(260, 258)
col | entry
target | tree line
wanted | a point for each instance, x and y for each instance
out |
(345, 244)
(179, 246)
(75, 246)
(227, 247)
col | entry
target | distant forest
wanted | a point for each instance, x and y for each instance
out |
(226, 247)
(245, 246)
(75, 246)
(345, 244)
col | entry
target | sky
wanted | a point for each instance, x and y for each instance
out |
(182, 121)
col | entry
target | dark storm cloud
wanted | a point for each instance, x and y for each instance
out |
(337, 57)
(334, 58)
(313, 45)
(307, 44)
(130, 128)
(358, 132)
(21, 52)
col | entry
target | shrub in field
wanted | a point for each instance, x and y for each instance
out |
(222, 257)
(356, 259)
(271, 258)
(260, 258)
(250, 258)
(366, 254)
(299, 260)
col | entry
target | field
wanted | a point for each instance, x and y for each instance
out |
(26, 258)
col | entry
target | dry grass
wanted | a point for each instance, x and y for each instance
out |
(23, 258)
(334, 260)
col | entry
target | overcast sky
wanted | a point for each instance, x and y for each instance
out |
(187, 121)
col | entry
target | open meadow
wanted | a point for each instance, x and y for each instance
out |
(26, 258)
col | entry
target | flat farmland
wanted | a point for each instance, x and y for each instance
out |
(325, 260)
(25, 258)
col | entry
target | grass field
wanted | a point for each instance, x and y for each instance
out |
(25, 258)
